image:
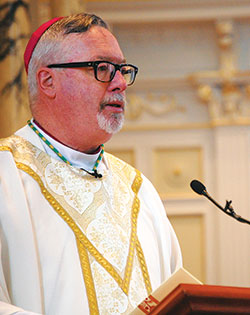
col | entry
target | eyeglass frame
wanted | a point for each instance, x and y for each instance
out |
(94, 65)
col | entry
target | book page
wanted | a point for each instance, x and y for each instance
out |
(180, 276)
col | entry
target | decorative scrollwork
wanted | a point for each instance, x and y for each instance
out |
(225, 91)
(155, 105)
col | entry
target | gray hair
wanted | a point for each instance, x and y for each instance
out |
(49, 48)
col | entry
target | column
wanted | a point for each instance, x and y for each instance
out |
(232, 169)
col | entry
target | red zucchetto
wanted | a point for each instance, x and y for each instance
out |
(34, 40)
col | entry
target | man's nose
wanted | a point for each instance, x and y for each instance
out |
(118, 82)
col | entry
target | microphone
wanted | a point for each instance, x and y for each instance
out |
(200, 189)
(95, 174)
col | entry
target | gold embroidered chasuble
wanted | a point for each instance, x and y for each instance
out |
(102, 213)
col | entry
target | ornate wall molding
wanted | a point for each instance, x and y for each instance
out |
(157, 105)
(225, 91)
(160, 11)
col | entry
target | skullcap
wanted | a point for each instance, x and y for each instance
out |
(34, 40)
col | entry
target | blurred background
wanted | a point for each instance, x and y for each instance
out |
(188, 114)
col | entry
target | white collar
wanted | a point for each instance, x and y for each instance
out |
(76, 158)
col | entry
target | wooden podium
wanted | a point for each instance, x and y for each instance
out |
(204, 299)
(183, 294)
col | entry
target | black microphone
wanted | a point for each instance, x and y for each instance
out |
(200, 189)
(95, 174)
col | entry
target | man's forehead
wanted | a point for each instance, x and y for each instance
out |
(107, 58)
(99, 42)
(95, 34)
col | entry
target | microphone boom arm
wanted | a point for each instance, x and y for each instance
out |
(200, 189)
(228, 209)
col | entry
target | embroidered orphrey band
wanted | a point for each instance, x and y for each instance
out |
(85, 246)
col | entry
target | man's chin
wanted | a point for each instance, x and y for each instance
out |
(112, 124)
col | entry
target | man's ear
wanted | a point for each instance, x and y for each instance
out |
(46, 82)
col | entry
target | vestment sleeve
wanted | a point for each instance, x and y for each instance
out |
(8, 309)
(157, 234)
(12, 254)
(5, 307)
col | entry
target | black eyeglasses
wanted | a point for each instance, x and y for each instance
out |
(104, 70)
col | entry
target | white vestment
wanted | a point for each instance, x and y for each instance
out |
(75, 244)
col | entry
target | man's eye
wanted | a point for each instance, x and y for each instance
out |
(103, 68)
(126, 70)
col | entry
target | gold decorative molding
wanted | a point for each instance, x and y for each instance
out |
(226, 92)
(152, 104)
(162, 11)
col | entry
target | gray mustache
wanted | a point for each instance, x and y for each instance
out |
(114, 98)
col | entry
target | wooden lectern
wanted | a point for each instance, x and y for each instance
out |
(204, 299)
(183, 294)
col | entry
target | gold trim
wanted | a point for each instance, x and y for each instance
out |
(144, 267)
(80, 237)
(68, 219)
(133, 236)
(82, 242)
(135, 187)
(88, 279)
(6, 148)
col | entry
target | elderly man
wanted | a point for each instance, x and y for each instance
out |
(82, 232)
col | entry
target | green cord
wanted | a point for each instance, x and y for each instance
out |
(94, 170)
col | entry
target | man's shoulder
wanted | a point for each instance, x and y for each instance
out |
(114, 160)
(16, 145)
(8, 143)
(116, 163)
(120, 167)
(12, 140)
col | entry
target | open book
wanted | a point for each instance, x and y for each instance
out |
(180, 276)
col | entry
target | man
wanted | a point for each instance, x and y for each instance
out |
(82, 232)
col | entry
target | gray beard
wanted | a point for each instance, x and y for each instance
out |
(112, 124)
